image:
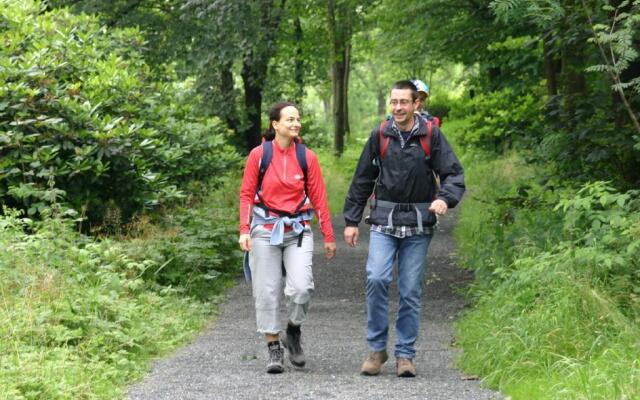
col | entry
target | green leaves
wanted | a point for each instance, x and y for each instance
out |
(74, 301)
(83, 123)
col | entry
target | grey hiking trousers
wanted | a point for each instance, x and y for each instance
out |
(266, 263)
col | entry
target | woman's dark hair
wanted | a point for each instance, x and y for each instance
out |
(274, 115)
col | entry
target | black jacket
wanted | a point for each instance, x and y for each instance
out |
(404, 176)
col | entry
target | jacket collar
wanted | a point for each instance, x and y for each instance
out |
(419, 127)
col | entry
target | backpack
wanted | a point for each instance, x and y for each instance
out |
(425, 142)
(265, 161)
(430, 117)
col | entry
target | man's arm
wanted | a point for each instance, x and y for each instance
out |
(362, 183)
(448, 167)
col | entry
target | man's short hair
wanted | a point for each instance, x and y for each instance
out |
(406, 84)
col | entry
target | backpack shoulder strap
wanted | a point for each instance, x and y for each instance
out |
(383, 142)
(267, 154)
(301, 156)
(425, 141)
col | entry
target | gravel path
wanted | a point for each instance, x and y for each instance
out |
(227, 360)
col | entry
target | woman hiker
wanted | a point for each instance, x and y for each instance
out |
(282, 181)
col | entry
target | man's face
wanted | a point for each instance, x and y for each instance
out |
(402, 107)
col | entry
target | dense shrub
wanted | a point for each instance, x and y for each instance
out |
(81, 317)
(83, 121)
(557, 291)
(77, 318)
(501, 120)
(201, 254)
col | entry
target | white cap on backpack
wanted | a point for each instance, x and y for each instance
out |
(421, 86)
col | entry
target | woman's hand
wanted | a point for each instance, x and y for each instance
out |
(329, 250)
(245, 242)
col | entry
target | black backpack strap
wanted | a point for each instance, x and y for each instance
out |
(267, 154)
(301, 156)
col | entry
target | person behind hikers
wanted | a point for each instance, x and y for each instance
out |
(423, 95)
(275, 212)
(402, 219)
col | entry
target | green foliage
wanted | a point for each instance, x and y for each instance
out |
(337, 173)
(200, 255)
(81, 318)
(82, 122)
(77, 320)
(557, 290)
(619, 38)
(501, 120)
(314, 135)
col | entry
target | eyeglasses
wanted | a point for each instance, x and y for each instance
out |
(402, 102)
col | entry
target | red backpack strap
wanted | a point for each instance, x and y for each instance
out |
(425, 142)
(383, 142)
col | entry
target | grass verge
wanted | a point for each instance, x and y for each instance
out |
(81, 318)
(557, 291)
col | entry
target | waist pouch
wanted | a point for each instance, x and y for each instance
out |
(387, 213)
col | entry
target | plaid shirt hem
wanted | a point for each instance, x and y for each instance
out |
(402, 231)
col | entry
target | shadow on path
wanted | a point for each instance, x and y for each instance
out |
(227, 361)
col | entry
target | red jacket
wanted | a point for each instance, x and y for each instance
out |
(283, 187)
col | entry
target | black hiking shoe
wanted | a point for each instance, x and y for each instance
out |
(292, 340)
(275, 365)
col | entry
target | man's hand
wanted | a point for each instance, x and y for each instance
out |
(439, 207)
(329, 250)
(351, 235)
(245, 242)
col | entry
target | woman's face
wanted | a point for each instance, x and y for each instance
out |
(289, 124)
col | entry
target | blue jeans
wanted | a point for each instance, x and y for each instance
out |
(411, 252)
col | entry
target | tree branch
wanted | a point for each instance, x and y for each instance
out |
(615, 76)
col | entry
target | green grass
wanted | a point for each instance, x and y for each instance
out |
(338, 171)
(81, 318)
(556, 300)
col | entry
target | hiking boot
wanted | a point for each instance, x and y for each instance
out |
(405, 368)
(275, 365)
(373, 364)
(292, 340)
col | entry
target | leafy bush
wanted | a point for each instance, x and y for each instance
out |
(557, 291)
(502, 119)
(77, 319)
(81, 318)
(200, 253)
(83, 121)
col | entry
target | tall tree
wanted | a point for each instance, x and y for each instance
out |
(340, 20)
(248, 30)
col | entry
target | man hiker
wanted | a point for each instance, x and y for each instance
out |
(397, 166)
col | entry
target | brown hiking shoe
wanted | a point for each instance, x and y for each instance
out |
(372, 365)
(405, 368)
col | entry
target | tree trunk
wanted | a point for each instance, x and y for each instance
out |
(574, 85)
(340, 31)
(254, 69)
(338, 106)
(299, 63)
(345, 86)
(550, 64)
(228, 111)
(253, 79)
